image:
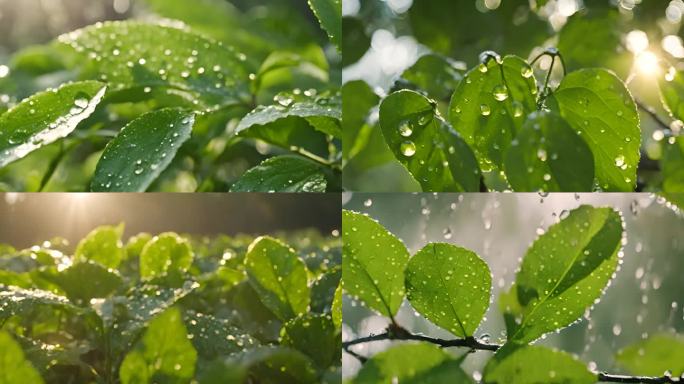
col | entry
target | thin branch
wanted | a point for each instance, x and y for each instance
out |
(475, 344)
(651, 112)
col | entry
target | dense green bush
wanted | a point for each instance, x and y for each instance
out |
(194, 96)
(172, 309)
(537, 96)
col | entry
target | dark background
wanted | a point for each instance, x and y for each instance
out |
(27, 219)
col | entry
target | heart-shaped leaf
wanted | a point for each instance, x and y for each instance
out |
(164, 254)
(102, 245)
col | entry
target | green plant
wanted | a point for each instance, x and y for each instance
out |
(209, 98)
(562, 275)
(571, 113)
(172, 309)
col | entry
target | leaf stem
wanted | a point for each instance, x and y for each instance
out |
(475, 344)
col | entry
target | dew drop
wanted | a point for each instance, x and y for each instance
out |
(405, 129)
(500, 92)
(526, 71)
(408, 148)
(485, 110)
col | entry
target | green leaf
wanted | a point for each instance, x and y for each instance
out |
(46, 117)
(222, 372)
(278, 365)
(357, 101)
(279, 276)
(282, 174)
(14, 368)
(135, 244)
(655, 355)
(265, 122)
(329, 14)
(489, 106)
(355, 42)
(599, 107)
(314, 335)
(433, 153)
(548, 155)
(141, 151)
(563, 273)
(672, 165)
(102, 245)
(534, 364)
(164, 354)
(323, 290)
(435, 74)
(671, 87)
(337, 307)
(213, 337)
(412, 364)
(86, 280)
(450, 286)
(164, 254)
(18, 302)
(130, 54)
(373, 263)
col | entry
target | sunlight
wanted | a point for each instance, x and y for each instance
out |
(647, 63)
(637, 41)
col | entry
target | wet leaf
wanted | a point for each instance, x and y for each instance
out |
(373, 263)
(131, 54)
(278, 365)
(436, 156)
(357, 100)
(314, 335)
(86, 280)
(356, 42)
(141, 151)
(655, 355)
(435, 74)
(102, 245)
(563, 273)
(671, 87)
(412, 364)
(489, 107)
(534, 364)
(14, 368)
(450, 286)
(18, 302)
(283, 174)
(548, 155)
(329, 14)
(213, 337)
(672, 165)
(163, 354)
(323, 290)
(279, 277)
(46, 117)
(337, 307)
(599, 107)
(166, 253)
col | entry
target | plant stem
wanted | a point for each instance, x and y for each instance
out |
(475, 344)
(651, 112)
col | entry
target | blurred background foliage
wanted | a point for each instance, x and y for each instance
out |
(383, 39)
(284, 35)
(643, 299)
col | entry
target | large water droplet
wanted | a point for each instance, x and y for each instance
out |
(408, 148)
(485, 110)
(619, 161)
(500, 92)
(482, 68)
(405, 129)
(526, 71)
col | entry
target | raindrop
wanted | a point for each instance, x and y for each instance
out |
(368, 203)
(526, 71)
(485, 110)
(482, 68)
(500, 92)
(405, 129)
(620, 161)
(408, 148)
(517, 109)
(447, 233)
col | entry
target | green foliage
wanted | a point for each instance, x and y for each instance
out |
(563, 274)
(188, 100)
(414, 364)
(584, 115)
(435, 287)
(521, 365)
(283, 174)
(655, 355)
(175, 309)
(373, 263)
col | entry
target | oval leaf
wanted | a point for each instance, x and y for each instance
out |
(282, 174)
(46, 117)
(450, 286)
(489, 106)
(373, 263)
(130, 54)
(141, 151)
(314, 335)
(671, 87)
(163, 354)
(329, 13)
(412, 364)
(14, 368)
(548, 155)
(433, 153)
(563, 273)
(102, 245)
(279, 276)
(86, 280)
(599, 107)
(654, 356)
(166, 253)
(535, 364)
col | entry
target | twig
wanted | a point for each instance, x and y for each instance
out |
(475, 344)
(651, 112)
